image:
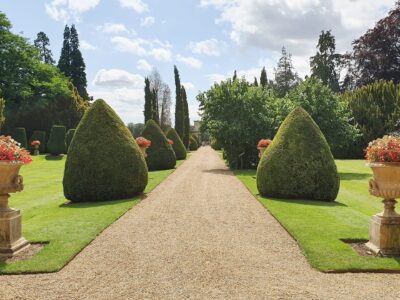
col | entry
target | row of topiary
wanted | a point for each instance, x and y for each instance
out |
(58, 143)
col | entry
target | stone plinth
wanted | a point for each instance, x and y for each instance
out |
(11, 240)
(384, 235)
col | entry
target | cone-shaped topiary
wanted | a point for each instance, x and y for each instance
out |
(103, 162)
(19, 134)
(68, 137)
(179, 148)
(56, 143)
(299, 162)
(195, 136)
(160, 155)
(40, 136)
(193, 146)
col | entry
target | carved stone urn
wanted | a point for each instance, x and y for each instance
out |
(11, 240)
(143, 149)
(384, 232)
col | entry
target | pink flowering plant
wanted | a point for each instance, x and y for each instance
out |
(386, 149)
(11, 151)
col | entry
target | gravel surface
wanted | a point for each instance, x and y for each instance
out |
(199, 235)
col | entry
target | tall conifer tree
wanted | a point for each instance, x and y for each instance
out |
(148, 101)
(154, 100)
(78, 73)
(263, 78)
(186, 135)
(64, 63)
(179, 112)
(42, 42)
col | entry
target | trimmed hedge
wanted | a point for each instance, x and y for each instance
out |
(68, 137)
(216, 145)
(178, 146)
(197, 139)
(56, 143)
(103, 162)
(299, 162)
(38, 135)
(193, 146)
(19, 134)
(160, 155)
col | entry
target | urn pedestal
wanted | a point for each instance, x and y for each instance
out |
(261, 151)
(11, 240)
(143, 149)
(384, 231)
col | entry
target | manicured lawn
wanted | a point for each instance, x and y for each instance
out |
(319, 226)
(67, 227)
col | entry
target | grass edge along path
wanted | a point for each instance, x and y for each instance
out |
(320, 227)
(68, 228)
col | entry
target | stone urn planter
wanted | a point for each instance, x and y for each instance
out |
(11, 240)
(385, 226)
(261, 151)
(262, 146)
(143, 144)
(143, 149)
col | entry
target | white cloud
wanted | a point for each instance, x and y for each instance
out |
(137, 5)
(87, 46)
(190, 61)
(249, 74)
(211, 47)
(188, 85)
(112, 28)
(148, 21)
(141, 47)
(64, 10)
(143, 65)
(117, 78)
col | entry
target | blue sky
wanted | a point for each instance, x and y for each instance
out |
(122, 40)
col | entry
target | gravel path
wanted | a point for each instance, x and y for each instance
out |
(200, 235)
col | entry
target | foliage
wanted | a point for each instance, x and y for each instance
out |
(238, 115)
(78, 73)
(40, 136)
(263, 78)
(148, 101)
(64, 63)
(193, 145)
(285, 77)
(300, 152)
(325, 63)
(42, 42)
(386, 149)
(215, 144)
(186, 131)
(179, 108)
(12, 151)
(178, 146)
(332, 116)
(376, 111)
(2, 107)
(69, 136)
(160, 156)
(375, 54)
(104, 166)
(135, 129)
(195, 136)
(56, 143)
(68, 227)
(165, 116)
(19, 134)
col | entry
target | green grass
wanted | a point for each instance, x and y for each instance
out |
(319, 227)
(68, 228)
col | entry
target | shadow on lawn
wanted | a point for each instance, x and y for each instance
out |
(306, 202)
(96, 203)
(54, 157)
(354, 176)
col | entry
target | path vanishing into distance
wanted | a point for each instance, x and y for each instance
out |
(201, 235)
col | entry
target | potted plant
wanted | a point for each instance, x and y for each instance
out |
(383, 156)
(35, 144)
(143, 144)
(12, 157)
(262, 146)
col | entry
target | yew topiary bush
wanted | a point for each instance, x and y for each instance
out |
(69, 136)
(19, 134)
(160, 155)
(56, 143)
(104, 162)
(193, 146)
(40, 136)
(178, 147)
(298, 163)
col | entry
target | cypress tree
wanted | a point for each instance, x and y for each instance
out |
(78, 74)
(64, 63)
(255, 81)
(148, 101)
(234, 76)
(179, 112)
(154, 104)
(42, 43)
(186, 135)
(263, 78)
